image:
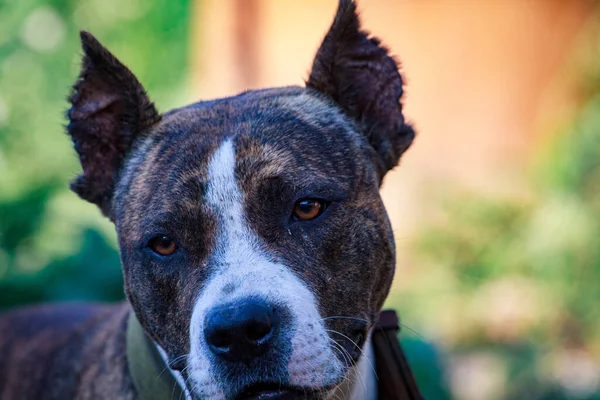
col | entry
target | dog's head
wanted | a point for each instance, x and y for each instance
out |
(255, 246)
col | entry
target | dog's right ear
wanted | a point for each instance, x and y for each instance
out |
(354, 70)
(110, 109)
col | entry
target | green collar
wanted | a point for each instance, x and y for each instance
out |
(151, 376)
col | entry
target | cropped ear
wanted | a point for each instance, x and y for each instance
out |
(356, 72)
(109, 110)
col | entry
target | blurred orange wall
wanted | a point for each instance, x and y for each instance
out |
(482, 77)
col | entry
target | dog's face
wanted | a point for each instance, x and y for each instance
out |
(256, 250)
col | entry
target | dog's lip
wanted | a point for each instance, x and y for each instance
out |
(272, 391)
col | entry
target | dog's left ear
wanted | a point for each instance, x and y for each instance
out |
(110, 109)
(356, 72)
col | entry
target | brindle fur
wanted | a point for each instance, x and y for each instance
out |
(335, 138)
(68, 352)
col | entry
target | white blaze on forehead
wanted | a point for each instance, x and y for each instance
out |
(225, 198)
(223, 190)
(241, 264)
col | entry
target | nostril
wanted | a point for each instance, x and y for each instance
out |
(259, 330)
(219, 338)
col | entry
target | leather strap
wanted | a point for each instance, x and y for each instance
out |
(154, 381)
(396, 381)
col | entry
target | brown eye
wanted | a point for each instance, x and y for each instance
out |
(308, 209)
(163, 245)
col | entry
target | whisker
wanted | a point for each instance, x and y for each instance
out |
(368, 322)
(358, 373)
(339, 348)
(176, 359)
(345, 354)
(350, 340)
(358, 347)
(346, 317)
(184, 384)
(413, 331)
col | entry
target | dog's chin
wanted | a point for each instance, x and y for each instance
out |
(272, 391)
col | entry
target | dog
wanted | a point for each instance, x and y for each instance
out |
(255, 247)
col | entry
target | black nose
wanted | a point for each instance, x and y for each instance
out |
(241, 331)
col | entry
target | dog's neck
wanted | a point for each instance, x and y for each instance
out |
(361, 383)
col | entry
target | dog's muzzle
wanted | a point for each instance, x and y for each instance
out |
(248, 341)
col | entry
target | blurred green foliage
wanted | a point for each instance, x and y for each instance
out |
(510, 286)
(54, 246)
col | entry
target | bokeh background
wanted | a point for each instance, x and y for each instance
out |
(496, 208)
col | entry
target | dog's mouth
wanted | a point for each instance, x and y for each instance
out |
(272, 391)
